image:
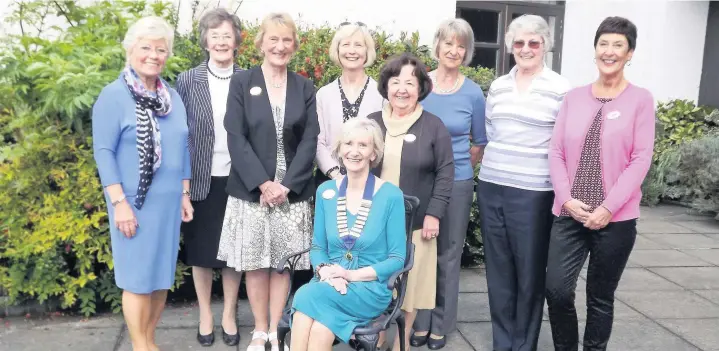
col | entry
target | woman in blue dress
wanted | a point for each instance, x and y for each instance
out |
(139, 134)
(359, 242)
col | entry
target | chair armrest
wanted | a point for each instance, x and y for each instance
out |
(394, 278)
(290, 259)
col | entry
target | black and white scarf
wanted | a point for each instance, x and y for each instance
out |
(148, 106)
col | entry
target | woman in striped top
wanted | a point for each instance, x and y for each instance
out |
(514, 191)
(204, 91)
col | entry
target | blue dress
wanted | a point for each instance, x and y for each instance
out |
(382, 246)
(147, 261)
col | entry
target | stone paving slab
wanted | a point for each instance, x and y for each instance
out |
(644, 243)
(51, 338)
(665, 258)
(700, 332)
(694, 278)
(643, 335)
(711, 255)
(480, 336)
(684, 241)
(706, 226)
(641, 279)
(669, 304)
(661, 227)
(711, 295)
(188, 315)
(472, 281)
(474, 307)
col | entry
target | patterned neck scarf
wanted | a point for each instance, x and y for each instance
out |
(148, 106)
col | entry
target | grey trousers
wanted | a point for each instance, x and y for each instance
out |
(442, 320)
(515, 231)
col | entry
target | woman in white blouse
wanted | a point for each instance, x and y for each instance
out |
(204, 91)
(353, 94)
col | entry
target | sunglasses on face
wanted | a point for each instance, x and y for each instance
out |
(360, 24)
(533, 44)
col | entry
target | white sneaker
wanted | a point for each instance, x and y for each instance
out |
(273, 337)
(258, 335)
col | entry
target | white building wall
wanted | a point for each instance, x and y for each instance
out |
(670, 43)
(392, 16)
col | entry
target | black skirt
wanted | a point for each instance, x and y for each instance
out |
(201, 236)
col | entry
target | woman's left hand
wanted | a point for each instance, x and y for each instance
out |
(187, 211)
(598, 219)
(430, 228)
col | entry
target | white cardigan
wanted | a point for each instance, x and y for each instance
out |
(329, 114)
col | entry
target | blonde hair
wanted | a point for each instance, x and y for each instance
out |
(459, 28)
(347, 31)
(277, 19)
(354, 127)
(150, 27)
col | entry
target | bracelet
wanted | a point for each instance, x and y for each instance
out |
(186, 192)
(117, 202)
(329, 172)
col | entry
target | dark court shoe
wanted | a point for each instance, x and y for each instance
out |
(418, 341)
(230, 340)
(436, 344)
(205, 340)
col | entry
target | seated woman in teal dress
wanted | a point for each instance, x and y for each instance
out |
(359, 242)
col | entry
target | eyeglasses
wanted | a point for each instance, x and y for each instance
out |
(360, 24)
(533, 44)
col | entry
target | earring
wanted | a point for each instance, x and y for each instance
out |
(629, 63)
(595, 60)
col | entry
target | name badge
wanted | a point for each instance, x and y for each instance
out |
(328, 194)
(613, 115)
(255, 91)
(410, 138)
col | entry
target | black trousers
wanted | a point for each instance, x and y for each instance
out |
(608, 251)
(515, 227)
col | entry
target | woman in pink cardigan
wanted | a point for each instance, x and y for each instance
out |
(600, 153)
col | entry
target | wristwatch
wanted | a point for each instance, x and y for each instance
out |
(117, 202)
(186, 192)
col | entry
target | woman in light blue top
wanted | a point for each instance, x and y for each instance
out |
(139, 130)
(459, 103)
(359, 242)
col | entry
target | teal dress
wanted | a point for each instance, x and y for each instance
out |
(381, 246)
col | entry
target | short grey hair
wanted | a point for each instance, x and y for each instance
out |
(358, 126)
(529, 24)
(150, 27)
(347, 31)
(215, 18)
(455, 27)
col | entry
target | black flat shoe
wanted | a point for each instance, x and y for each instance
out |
(418, 341)
(436, 344)
(230, 340)
(205, 340)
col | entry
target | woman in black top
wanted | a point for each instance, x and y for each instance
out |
(418, 158)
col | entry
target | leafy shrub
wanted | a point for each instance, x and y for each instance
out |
(694, 177)
(680, 121)
(54, 240)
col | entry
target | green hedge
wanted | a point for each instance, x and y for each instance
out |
(54, 237)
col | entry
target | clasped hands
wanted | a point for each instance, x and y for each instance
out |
(273, 194)
(595, 220)
(336, 276)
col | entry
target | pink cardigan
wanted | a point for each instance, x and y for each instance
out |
(627, 145)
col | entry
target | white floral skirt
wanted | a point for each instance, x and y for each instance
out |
(255, 237)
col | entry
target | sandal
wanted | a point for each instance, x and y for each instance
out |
(258, 335)
(273, 337)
